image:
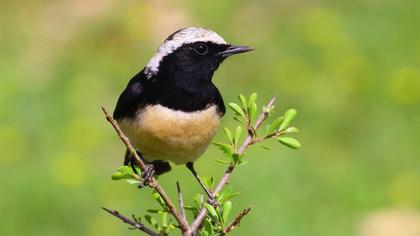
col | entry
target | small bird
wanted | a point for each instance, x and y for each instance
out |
(171, 110)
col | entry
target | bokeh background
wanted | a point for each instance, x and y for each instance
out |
(351, 68)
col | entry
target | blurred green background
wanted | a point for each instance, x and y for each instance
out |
(351, 69)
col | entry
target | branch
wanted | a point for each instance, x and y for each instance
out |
(236, 222)
(153, 183)
(134, 223)
(181, 201)
(195, 226)
(125, 140)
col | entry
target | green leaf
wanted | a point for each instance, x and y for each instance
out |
(152, 221)
(154, 211)
(238, 133)
(164, 219)
(225, 148)
(190, 208)
(125, 169)
(252, 99)
(230, 196)
(225, 191)
(291, 130)
(171, 227)
(197, 200)
(128, 170)
(208, 182)
(207, 228)
(227, 207)
(133, 181)
(274, 126)
(237, 158)
(289, 142)
(243, 101)
(226, 194)
(118, 176)
(253, 110)
(212, 212)
(159, 199)
(123, 172)
(288, 118)
(239, 120)
(228, 133)
(237, 109)
(138, 170)
(223, 161)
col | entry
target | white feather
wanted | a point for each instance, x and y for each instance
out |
(184, 36)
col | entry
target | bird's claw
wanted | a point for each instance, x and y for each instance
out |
(147, 174)
(213, 202)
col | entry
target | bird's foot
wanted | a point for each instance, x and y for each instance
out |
(147, 175)
(212, 201)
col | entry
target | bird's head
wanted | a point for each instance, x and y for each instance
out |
(191, 53)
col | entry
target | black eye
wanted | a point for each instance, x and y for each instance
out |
(201, 49)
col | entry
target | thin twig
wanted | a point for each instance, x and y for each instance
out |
(181, 201)
(153, 183)
(125, 140)
(195, 226)
(134, 223)
(236, 221)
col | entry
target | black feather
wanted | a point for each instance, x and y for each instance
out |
(183, 83)
(131, 98)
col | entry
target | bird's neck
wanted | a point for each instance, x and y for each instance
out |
(184, 91)
(191, 82)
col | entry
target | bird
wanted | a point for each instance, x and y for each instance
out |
(171, 110)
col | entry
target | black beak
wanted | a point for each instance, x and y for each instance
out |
(232, 50)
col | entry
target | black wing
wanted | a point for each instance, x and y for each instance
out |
(131, 98)
(218, 100)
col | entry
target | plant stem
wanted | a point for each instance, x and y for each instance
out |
(181, 201)
(195, 226)
(236, 221)
(185, 228)
(134, 223)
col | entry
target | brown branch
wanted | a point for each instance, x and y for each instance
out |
(134, 222)
(153, 183)
(236, 221)
(195, 226)
(125, 140)
(181, 201)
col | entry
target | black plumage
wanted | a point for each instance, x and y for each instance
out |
(183, 83)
